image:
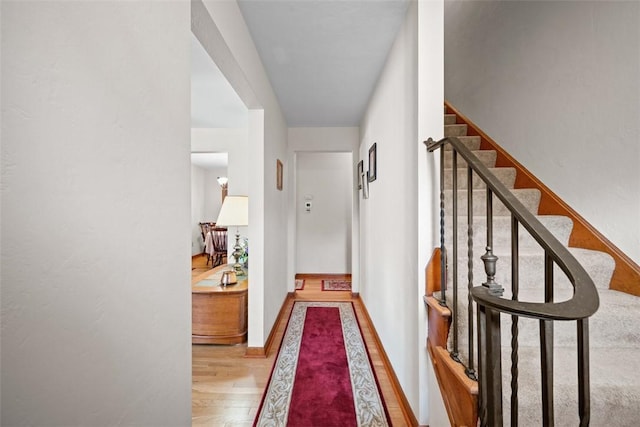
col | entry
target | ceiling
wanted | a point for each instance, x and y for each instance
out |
(210, 160)
(323, 57)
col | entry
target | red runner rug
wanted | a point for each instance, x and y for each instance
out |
(336, 285)
(322, 375)
(299, 284)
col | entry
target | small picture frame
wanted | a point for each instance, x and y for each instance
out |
(279, 174)
(360, 174)
(372, 175)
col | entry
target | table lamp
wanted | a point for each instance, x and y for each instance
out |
(235, 213)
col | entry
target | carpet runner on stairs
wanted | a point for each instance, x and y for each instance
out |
(322, 375)
(614, 336)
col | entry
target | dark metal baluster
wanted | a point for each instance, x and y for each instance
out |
(494, 369)
(493, 363)
(514, 320)
(584, 404)
(470, 371)
(482, 366)
(546, 348)
(443, 249)
(489, 258)
(454, 261)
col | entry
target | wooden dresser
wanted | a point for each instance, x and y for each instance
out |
(218, 314)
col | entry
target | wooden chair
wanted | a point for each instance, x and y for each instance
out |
(205, 227)
(219, 239)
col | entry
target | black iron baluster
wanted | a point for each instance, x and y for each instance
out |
(494, 368)
(514, 320)
(470, 371)
(546, 348)
(443, 249)
(482, 366)
(489, 258)
(454, 261)
(584, 404)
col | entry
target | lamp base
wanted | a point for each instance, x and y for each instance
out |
(237, 252)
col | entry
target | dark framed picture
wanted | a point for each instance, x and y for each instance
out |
(373, 163)
(360, 174)
(279, 174)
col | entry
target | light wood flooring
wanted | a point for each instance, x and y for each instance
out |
(228, 387)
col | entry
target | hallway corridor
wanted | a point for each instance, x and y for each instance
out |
(227, 387)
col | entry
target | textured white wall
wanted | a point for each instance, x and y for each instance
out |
(556, 84)
(389, 218)
(96, 308)
(323, 243)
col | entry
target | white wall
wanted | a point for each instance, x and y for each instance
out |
(389, 218)
(320, 140)
(324, 180)
(556, 84)
(222, 31)
(95, 131)
(234, 142)
(430, 124)
(212, 193)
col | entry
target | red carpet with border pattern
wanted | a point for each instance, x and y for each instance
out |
(321, 357)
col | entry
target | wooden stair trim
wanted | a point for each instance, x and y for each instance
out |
(405, 407)
(439, 321)
(626, 276)
(433, 273)
(459, 392)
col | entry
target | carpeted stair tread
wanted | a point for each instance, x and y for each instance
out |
(471, 142)
(455, 130)
(487, 157)
(615, 387)
(609, 327)
(598, 265)
(506, 175)
(560, 226)
(449, 119)
(614, 335)
(529, 197)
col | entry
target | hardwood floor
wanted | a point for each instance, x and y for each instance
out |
(199, 265)
(228, 387)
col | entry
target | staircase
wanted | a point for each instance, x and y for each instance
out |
(614, 329)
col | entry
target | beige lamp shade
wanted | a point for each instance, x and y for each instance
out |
(234, 212)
